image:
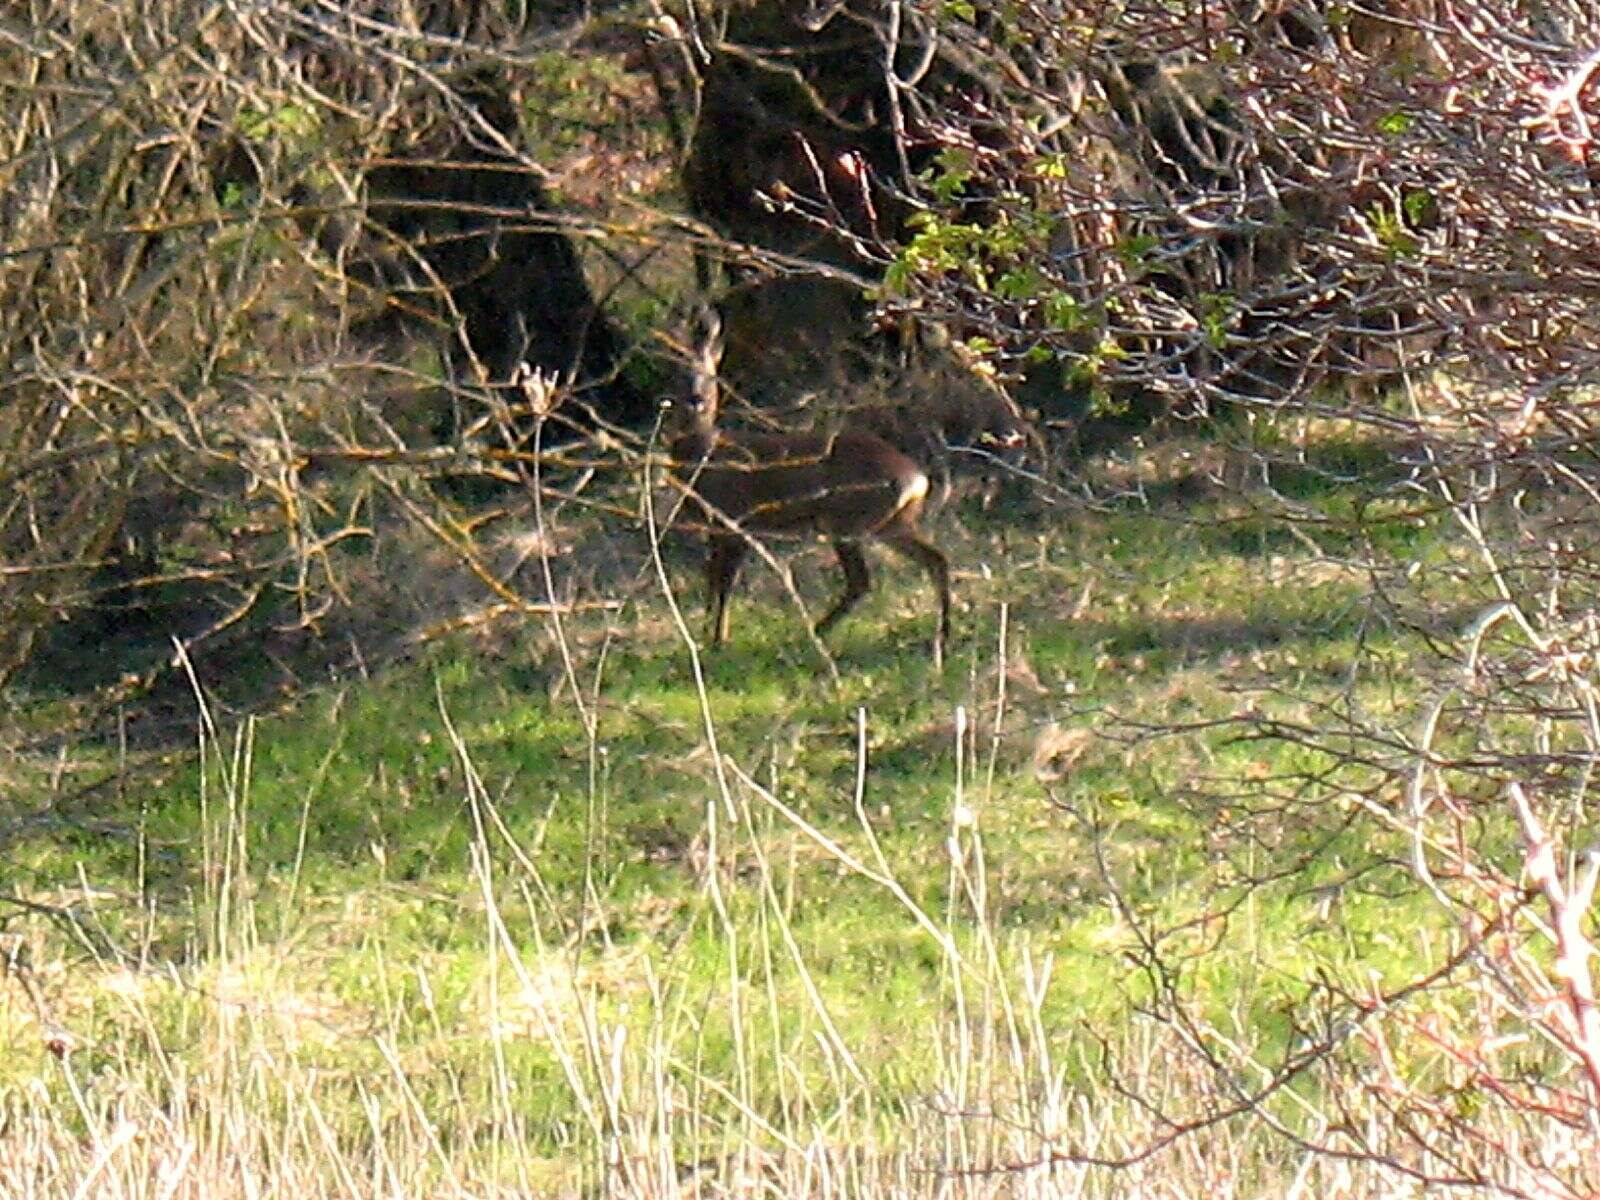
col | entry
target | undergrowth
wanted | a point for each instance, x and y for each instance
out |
(499, 920)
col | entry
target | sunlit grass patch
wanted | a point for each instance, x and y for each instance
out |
(463, 921)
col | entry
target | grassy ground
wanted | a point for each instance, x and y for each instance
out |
(499, 916)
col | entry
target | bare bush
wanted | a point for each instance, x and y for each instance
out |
(210, 405)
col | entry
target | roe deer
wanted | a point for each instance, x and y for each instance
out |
(843, 487)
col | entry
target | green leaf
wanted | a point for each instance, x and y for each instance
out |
(1020, 283)
(1051, 166)
(1395, 124)
(1063, 312)
(1391, 233)
(1133, 249)
(955, 169)
(1216, 312)
(291, 122)
(1420, 206)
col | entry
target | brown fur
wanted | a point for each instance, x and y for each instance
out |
(937, 431)
(844, 487)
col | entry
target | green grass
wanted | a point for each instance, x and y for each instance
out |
(335, 873)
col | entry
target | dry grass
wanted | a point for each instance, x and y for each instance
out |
(501, 1024)
(232, 1077)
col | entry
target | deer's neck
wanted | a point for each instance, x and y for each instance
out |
(696, 442)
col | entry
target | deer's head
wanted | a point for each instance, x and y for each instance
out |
(705, 393)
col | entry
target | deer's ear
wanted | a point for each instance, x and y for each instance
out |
(707, 361)
(710, 347)
(707, 358)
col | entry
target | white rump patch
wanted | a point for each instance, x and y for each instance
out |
(916, 489)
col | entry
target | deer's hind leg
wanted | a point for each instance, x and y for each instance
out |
(937, 567)
(857, 581)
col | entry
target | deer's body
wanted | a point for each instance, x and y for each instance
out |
(845, 487)
(988, 422)
(944, 432)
